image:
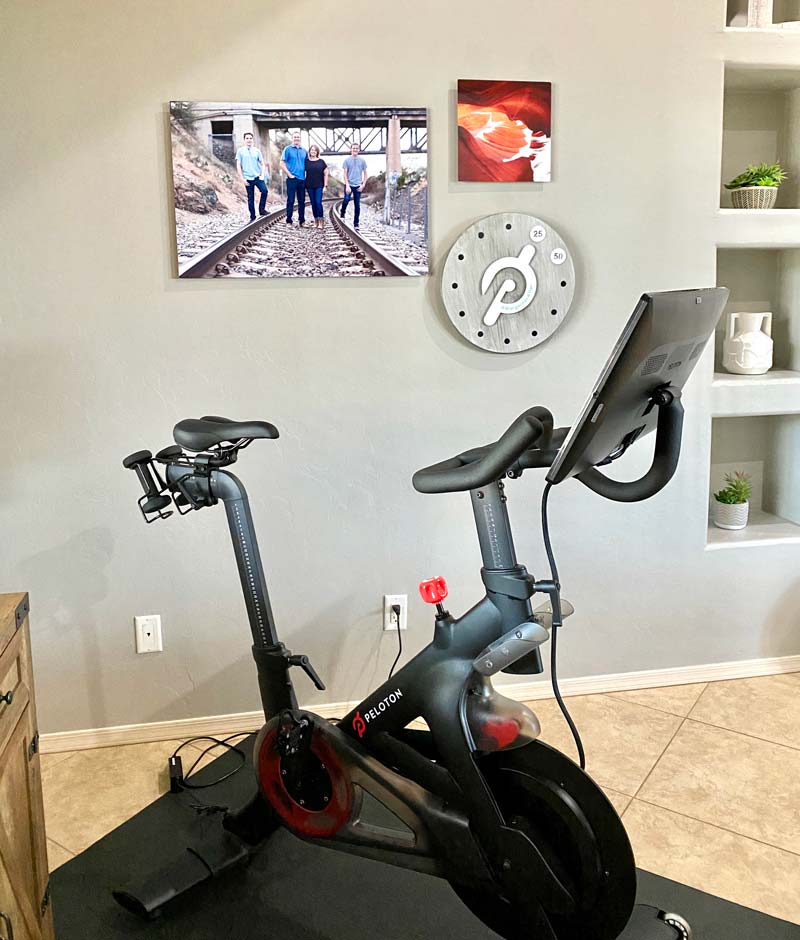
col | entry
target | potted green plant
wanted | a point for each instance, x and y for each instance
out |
(732, 503)
(757, 187)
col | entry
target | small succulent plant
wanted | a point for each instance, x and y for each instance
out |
(738, 489)
(759, 174)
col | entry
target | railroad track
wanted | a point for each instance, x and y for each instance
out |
(269, 248)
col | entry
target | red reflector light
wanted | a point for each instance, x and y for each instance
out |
(498, 733)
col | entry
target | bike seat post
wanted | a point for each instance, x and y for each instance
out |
(271, 657)
(508, 584)
(494, 526)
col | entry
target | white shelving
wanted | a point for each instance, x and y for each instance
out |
(777, 392)
(761, 279)
(777, 16)
(762, 529)
(761, 124)
(780, 28)
(775, 377)
(763, 446)
(756, 419)
(758, 228)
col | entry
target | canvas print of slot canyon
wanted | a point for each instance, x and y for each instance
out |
(504, 131)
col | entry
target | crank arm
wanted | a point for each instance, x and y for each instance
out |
(524, 866)
(537, 918)
(439, 841)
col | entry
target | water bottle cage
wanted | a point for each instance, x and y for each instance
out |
(150, 514)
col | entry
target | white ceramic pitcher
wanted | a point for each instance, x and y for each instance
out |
(747, 349)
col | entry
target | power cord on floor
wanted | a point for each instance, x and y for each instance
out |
(556, 602)
(178, 780)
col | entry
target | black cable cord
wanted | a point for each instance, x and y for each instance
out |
(396, 612)
(556, 602)
(186, 783)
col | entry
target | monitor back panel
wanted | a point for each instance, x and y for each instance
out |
(660, 345)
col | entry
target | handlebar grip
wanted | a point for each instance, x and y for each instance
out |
(140, 462)
(484, 465)
(665, 462)
(139, 457)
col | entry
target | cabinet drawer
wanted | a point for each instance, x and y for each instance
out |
(14, 680)
(23, 859)
(13, 611)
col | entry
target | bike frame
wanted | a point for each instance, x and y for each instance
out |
(439, 793)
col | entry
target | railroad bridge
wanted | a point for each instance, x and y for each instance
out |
(390, 131)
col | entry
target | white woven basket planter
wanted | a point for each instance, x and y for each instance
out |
(754, 197)
(730, 515)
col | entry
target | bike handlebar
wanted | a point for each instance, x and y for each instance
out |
(531, 442)
(483, 465)
(665, 462)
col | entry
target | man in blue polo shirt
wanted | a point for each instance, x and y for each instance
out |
(252, 171)
(293, 164)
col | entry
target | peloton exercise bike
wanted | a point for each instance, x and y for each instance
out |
(526, 838)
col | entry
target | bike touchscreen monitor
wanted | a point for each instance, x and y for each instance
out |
(660, 346)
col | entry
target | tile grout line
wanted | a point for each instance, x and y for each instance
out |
(62, 847)
(705, 822)
(744, 734)
(711, 724)
(653, 708)
(699, 697)
(700, 721)
(658, 759)
(70, 755)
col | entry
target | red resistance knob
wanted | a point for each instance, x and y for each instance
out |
(433, 591)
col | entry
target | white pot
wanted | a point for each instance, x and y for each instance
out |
(754, 197)
(730, 515)
(747, 348)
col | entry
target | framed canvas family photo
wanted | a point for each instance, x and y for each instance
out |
(276, 190)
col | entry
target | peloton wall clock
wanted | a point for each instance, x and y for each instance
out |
(508, 282)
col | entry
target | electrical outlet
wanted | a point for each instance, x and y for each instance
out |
(389, 617)
(148, 633)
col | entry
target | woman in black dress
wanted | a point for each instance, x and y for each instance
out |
(316, 181)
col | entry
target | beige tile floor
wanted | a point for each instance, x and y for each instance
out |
(706, 777)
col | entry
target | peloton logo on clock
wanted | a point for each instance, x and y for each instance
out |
(360, 724)
(523, 264)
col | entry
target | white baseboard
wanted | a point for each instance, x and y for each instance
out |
(184, 728)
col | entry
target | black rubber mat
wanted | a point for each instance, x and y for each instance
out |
(295, 891)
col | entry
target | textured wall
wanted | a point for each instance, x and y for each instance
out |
(102, 350)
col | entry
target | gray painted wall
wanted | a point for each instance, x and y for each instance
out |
(102, 349)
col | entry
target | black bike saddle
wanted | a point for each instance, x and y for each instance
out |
(198, 434)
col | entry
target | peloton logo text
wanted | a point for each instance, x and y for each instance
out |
(360, 724)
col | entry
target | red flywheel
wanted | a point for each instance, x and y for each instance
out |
(318, 815)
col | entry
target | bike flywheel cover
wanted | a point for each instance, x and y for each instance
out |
(301, 819)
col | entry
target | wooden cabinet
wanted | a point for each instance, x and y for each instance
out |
(24, 897)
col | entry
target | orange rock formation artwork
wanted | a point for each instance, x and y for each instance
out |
(504, 131)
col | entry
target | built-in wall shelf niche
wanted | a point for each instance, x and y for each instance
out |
(758, 228)
(768, 448)
(760, 280)
(763, 14)
(761, 124)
